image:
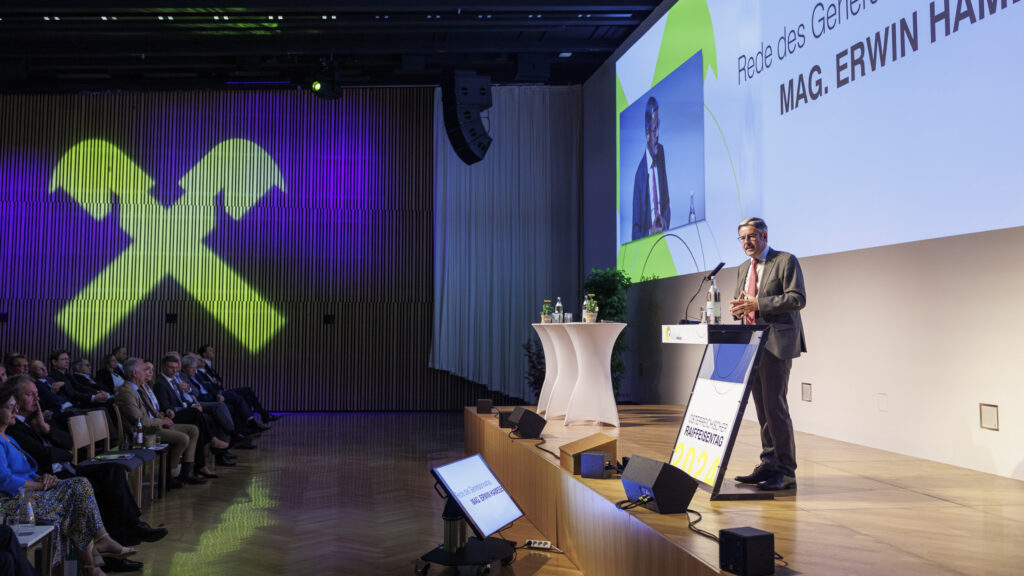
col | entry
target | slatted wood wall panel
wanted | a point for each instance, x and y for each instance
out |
(350, 235)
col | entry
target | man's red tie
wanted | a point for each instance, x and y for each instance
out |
(751, 290)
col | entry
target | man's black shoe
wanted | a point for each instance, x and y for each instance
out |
(194, 480)
(272, 417)
(779, 481)
(147, 533)
(121, 565)
(760, 474)
(247, 445)
(224, 461)
(238, 439)
(174, 483)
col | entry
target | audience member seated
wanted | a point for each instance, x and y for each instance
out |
(109, 377)
(206, 390)
(219, 410)
(69, 504)
(85, 384)
(241, 409)
(60, 373)
(207, 353)
(177, 393)
(138, 404)
(52, 395)
(49, 446)
(16, 363)
(173, 406)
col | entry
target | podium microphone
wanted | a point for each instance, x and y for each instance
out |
(715, 271)
(686, 311)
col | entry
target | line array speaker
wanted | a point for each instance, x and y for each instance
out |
(464, 96)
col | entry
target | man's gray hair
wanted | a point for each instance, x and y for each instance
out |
(190, 361)
(19, 382)
(131, 366)
(756, 223)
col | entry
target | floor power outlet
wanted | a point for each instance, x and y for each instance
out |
(538, 544)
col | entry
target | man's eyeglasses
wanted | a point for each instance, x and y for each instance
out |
(748, 237)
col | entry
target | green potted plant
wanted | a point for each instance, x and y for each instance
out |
(590, 309)
(545, 312)
(609, 287)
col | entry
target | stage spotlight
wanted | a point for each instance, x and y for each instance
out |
(326, 85)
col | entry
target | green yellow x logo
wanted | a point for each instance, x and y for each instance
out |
(167, 241)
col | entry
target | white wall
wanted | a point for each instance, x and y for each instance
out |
(876, 325)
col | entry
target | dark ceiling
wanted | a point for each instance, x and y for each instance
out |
(146, 45)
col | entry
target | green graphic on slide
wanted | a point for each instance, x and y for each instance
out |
(167, 241)
(688, 30)
(647, 258)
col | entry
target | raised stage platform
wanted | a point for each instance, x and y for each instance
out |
(857, 510)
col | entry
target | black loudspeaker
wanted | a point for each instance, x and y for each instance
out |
(596, 465)
(668, 488)
(483, 406)
(527, 423)
(464, 96)
(746, 551)
(504, 419)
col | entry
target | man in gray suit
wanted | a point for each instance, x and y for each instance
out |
(771, 292)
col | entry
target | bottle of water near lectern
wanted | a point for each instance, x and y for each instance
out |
(138, 433)
(586, 302)
(714, 307)
(558, 309)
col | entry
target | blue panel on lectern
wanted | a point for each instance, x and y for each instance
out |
(727, 362)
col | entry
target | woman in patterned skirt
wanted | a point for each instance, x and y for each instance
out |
(68, 504)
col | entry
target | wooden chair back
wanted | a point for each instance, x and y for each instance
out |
(98, 429)
(80, 437)
(120, 426)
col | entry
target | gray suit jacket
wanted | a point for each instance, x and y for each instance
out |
(779, 300)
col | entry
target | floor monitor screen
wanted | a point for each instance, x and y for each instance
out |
(486, 504)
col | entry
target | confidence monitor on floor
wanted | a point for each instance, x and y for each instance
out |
(472, 487)
(488, 507)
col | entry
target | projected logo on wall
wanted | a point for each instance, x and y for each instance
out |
(167, 241)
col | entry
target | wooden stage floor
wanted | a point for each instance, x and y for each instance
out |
(324, 494)
(857, 510)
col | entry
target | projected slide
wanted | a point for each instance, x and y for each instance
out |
(665, 127)
(845, 125)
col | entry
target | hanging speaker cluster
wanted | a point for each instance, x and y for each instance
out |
(464, 96)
